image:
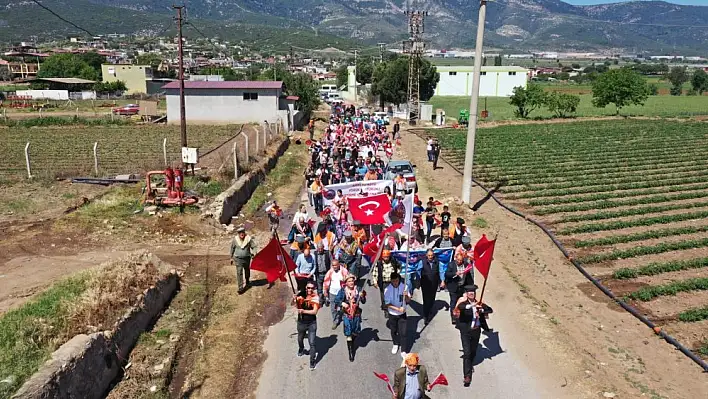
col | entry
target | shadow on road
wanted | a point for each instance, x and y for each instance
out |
(491, 348)
(367, 335)
(324, 344)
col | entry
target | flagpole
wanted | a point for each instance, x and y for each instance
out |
(484, 285)
(285, 265)
(376, 259)
(408, 254)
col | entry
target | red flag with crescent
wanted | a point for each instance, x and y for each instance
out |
(370, 209)
(270, 260)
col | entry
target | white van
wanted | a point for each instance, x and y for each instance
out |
(328, 88)
(334, 97)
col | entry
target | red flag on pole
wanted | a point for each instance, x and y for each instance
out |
(269, 260)
(371, 209)
(372, 247)
(483, 255)
(439, 380)
(385, 378)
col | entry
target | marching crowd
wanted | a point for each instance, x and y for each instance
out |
(332, 256)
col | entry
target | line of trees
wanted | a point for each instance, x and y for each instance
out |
(533, 97)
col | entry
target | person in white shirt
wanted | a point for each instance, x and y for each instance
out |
(429, 149)
(333, 281)
(297, 227)
(396, 299)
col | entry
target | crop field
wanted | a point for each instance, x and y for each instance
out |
(656, 106)
(628, 199)
(67, 151)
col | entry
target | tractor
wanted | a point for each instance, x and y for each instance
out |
(464, 118)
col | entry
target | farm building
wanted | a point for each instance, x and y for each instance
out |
(496, 81)
(232, 102)
(135, 77)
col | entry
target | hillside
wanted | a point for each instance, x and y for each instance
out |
(511, 24)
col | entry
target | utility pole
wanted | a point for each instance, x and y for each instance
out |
(356, 87)
(381, 51)
(472, 127)
(415, 47)
(180, 56)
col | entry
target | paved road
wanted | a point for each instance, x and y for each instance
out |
(508, 364)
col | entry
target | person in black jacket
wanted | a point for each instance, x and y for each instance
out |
(429, 282)
(456, 278)
(470, 313)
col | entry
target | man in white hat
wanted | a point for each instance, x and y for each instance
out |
(242, 251)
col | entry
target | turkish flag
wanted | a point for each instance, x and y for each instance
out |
(371, 209)
(483, 255)
(384, 377)
(269, 260)
(372, 247)
(439, 380)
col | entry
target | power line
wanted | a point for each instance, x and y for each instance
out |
(62, 18)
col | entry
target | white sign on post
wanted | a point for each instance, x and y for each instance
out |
(190, 155)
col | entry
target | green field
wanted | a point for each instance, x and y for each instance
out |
(68, 151)
(656, 106)
(628, 198)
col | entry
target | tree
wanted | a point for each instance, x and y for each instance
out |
(364, 70)
(677, 76)
(67, 66)
(94, 60)
(429, 79)
(5, 73)
(562, 105)
(110, 87)
(527, 99)
(153, 60)
(699, 81)
(342, 76)
(620, 87)
(390, 80)
(302, 85)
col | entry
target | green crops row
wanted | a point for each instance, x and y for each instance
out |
(653, 269)
(694, 315)
(609, 187)
(647, 235)
(610, 195)
(629, 212)
(595, 181)
(616, 204)
(648, 221)
(645, 250)
(648, 293)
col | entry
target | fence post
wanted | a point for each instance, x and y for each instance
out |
(235, 162)
(95, 157)
(258, 140)
(40, 113)
(164, 150)
(245, 136)
(77, 112)
(27, 161)
(4, 114)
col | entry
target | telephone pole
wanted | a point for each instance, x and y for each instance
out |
(356, 88)
(180, 56)
(415, 47)
(474, 105)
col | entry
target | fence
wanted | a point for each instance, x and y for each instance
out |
(61, 152)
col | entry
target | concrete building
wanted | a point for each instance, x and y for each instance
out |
(232, 102)
(134, 76)
(495, 81)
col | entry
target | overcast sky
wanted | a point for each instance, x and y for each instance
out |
(687, 2)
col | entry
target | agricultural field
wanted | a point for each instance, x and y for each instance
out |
(656, 106)
(67, 151)
(628, 199)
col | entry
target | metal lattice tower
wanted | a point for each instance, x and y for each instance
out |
(415, 47)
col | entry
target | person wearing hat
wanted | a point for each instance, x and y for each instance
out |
(381, 274)
(359, 233)
(349, 253)
(465, 248)
(459, 231)
(274, 213)
(457, 276)
(242, 251)
(411, 380)
(470, 314)
(396, 299)
(348, 300)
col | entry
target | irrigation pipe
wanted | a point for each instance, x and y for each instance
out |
(657, 330)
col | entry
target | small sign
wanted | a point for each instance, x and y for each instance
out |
(190, 155)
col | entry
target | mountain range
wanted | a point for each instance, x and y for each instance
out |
(513, 25)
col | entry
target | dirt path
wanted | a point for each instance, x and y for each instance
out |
(598, 348)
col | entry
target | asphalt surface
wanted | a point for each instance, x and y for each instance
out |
(508, 363)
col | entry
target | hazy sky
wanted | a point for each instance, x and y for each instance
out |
(687, 2)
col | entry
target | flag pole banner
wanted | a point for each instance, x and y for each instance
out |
(414, 265)
(367, 187)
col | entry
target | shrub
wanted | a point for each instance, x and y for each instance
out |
(562, 105)
(527, 99)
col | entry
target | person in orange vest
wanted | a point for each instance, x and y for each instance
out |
(359, 233)
(371, 174)
(326, 237)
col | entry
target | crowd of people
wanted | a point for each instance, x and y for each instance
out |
(332, 268)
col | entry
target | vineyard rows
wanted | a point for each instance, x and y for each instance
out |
(600, 184)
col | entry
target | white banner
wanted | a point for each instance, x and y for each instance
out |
(369, 187)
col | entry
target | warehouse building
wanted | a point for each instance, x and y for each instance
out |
(495, 81)
(232, 102)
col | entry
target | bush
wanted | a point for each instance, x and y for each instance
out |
(653, 89)
(527, 99)
(562, 105)
(676, 90)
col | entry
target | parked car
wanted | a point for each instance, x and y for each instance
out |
(407, 168)
(130, 109)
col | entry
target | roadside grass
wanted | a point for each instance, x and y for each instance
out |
(119, 203)
(29, 334)
(479, 223)
(85, 303)
(212, 188)
(16, 206)
(656, 106)
(289, 166)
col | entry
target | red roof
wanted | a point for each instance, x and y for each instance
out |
(226, 85)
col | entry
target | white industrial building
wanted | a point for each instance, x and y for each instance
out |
(210, 102)
(495, 81)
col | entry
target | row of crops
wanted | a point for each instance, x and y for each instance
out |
(629, 199)
(64, 151)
